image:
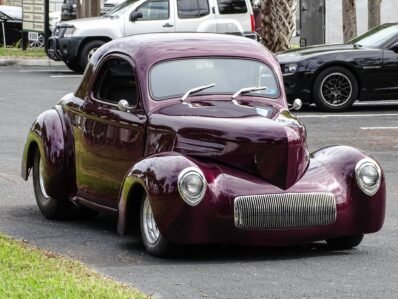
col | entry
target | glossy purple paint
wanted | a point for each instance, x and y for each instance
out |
(99, 154)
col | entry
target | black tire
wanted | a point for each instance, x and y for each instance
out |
(74, 66)
(51, 208)
(335, 89)
(87, 48)
(346, 242)
(160, 247)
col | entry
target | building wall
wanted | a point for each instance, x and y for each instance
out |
(334, 17)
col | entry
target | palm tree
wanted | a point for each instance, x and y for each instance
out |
(349, 20)
(373, 13)
(277, 23)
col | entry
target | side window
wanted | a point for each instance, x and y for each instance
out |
(154, 10)
(231, 6)
(116, 82)
(188, 9)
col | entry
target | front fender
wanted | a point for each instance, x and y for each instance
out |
(370, 210)
(47, 136)
(157, 175)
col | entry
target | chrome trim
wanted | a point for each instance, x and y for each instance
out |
(282, 211)
(365, 189)
(192, 201)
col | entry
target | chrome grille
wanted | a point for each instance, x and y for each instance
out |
(280, 211)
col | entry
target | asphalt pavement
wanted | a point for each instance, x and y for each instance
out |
(310, 271)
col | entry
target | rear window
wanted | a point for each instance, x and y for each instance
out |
(231, 6)
(192, 8)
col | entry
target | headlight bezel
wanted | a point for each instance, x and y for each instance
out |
(192, 200)
(368, 190)
(290, 68)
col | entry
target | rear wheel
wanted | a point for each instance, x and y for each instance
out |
(51, 208)
(346, 242)
(87, 51)
(154, 242)
(335, 89)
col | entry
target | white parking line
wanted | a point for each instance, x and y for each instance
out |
(379, 128)
(66, 76)
(346, 115)
(44, 71)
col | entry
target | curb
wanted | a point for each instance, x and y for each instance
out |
(29, 62)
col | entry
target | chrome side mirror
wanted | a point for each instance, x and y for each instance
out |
(123, 105)
(297, 104)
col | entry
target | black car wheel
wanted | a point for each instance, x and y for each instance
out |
(74, 66)
(346, 242)
(88, 51)
(51, 208)
(154, 242)
(335, 89)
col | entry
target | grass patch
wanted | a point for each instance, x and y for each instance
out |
(18, 53)
(27, 272)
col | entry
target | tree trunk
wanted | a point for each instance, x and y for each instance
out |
(373, 13)
(88, 8)
(278, 21)
(349, 20)
(2, 2)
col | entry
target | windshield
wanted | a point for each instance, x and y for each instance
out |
(172, 79)
(121, 8)
(377, 37)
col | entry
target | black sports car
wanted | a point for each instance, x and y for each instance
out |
(334, 76)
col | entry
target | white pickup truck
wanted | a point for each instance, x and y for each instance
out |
(75, 41)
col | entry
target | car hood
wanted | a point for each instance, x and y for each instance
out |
(252, 137)
(295, 55)
(89, 22)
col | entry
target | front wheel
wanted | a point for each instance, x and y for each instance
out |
(74, 66)
(87, 52)
(154, 242)
(51, 208)
(346, 242)
(335, 89)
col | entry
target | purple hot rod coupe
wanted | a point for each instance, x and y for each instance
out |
(189, 138)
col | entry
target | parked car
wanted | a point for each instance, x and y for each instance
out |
(335, 76)
(11, 16)
(74, 42)
(189, 137)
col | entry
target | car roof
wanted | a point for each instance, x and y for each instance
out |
(149, 49)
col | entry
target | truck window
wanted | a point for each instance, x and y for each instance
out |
(231, 6)
(192, 8)
(154, 10)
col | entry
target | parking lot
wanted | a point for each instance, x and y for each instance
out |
(309, 271)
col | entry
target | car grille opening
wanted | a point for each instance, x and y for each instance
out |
(283, 211)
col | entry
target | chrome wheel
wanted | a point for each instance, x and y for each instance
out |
(150, 228)
(336, 89)
(41, 181)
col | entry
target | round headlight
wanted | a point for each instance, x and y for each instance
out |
(192, 185)
(368, 175)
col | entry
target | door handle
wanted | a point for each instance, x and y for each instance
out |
(168, 25)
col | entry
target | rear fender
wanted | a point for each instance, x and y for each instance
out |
(47, 136)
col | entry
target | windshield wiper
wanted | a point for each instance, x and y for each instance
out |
(196, 89)
(248, 90)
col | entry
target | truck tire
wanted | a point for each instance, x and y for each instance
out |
(87, 51)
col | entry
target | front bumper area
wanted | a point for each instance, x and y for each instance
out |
(298, 85)
(214, 219)
(64, 48)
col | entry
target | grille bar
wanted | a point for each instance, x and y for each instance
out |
(280, 211)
